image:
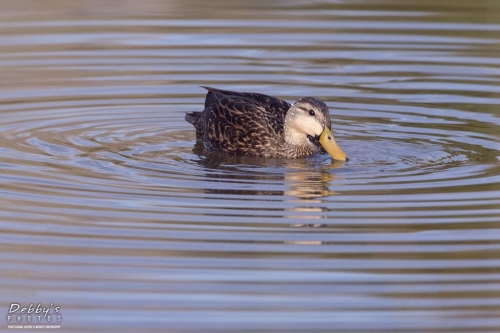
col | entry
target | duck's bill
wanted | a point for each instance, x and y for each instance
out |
(331, 146)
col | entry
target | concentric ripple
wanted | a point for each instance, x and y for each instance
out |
(110, 208)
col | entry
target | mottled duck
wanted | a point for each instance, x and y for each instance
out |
(254, 124)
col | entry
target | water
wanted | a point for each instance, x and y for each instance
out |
(110, 211)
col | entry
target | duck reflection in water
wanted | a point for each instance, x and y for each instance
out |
(301, 183)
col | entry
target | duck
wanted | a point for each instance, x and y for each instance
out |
(254, 124)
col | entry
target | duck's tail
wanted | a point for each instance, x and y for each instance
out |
(191, 117)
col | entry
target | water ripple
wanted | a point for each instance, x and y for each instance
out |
(108, 203)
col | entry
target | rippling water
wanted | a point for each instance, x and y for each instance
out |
(110, 210)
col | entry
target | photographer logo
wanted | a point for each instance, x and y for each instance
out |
(34, 316)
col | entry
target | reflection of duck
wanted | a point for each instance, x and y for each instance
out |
(298, 180)
(259, 125)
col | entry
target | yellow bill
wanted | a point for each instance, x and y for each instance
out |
(331, 146)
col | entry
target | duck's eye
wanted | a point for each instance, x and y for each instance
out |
(311, 112)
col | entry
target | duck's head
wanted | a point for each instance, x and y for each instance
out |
(308, 122)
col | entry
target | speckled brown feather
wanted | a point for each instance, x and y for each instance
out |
(244, 124)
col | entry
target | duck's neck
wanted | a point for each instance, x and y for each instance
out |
(296, 143)
(294, 137)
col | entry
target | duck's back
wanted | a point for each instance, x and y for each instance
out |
(241, 123)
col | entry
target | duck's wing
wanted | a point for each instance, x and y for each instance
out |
(241, 125)
(270, 104)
